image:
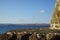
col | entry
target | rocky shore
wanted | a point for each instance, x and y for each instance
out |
(31, 34)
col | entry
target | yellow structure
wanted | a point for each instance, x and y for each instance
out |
(55, 22)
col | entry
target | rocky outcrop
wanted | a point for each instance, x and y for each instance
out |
(33, 34)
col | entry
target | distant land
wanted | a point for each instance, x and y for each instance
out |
(43, 24)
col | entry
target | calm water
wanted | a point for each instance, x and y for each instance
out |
(4, 28)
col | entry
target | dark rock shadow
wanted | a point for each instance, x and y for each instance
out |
(26, 37)
(56, 37)
(14, 37)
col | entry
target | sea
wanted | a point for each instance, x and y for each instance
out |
(7, 27)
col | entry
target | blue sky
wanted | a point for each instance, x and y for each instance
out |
(26, 11)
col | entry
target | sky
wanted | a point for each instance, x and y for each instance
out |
(26, 11)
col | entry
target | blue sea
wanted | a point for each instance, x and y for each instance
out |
(4, 28)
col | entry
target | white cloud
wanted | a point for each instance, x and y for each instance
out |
(42, 11)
